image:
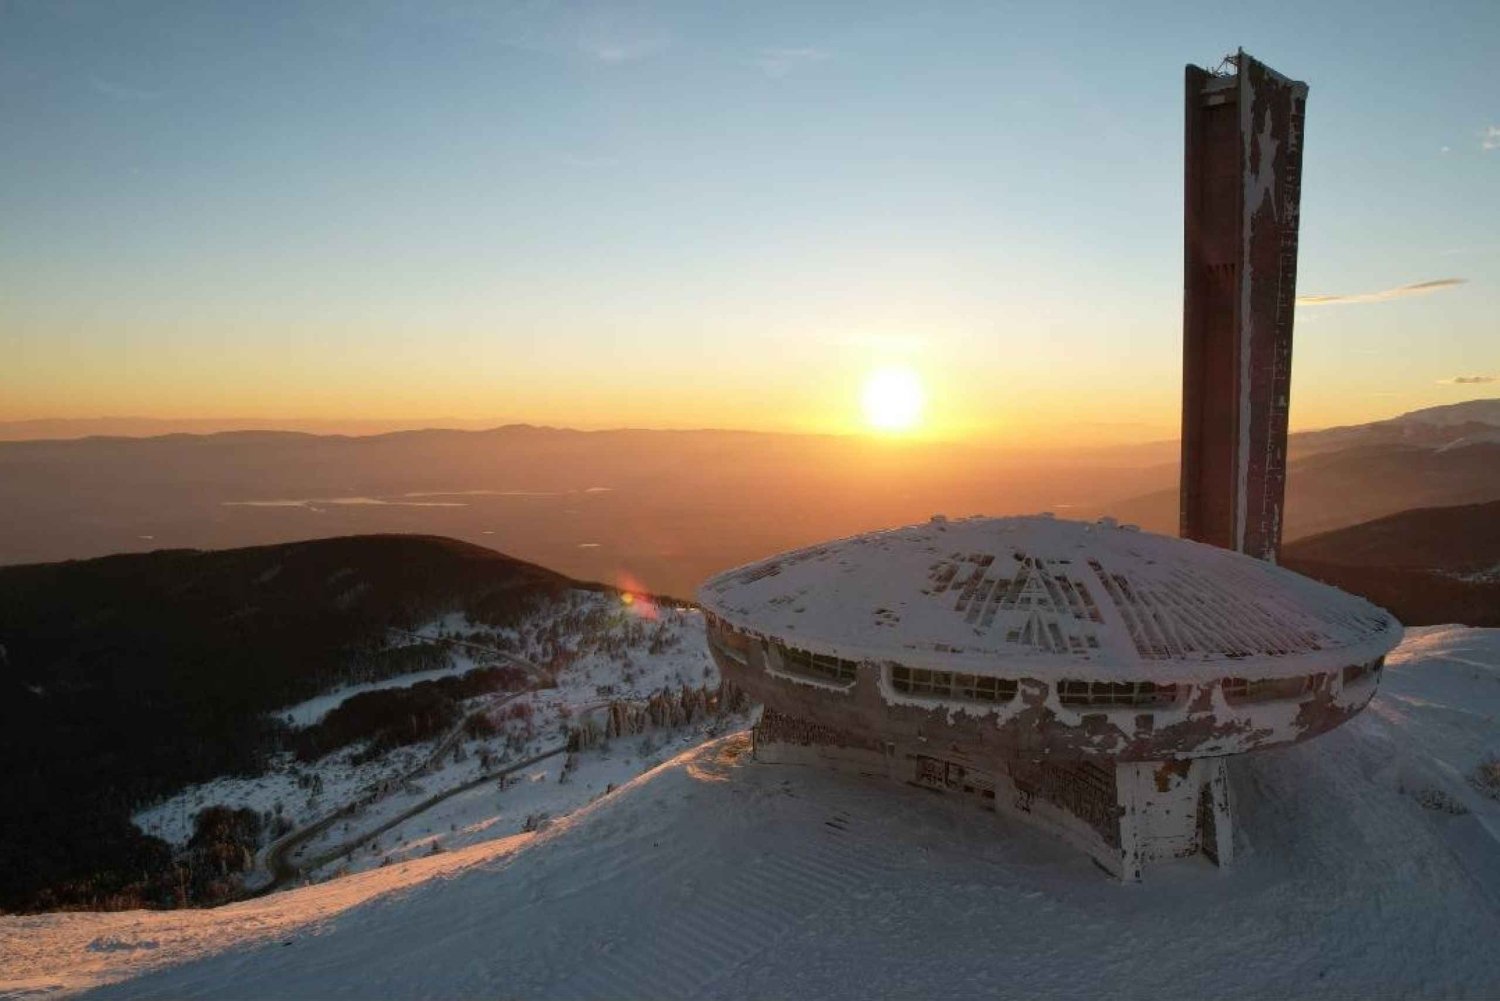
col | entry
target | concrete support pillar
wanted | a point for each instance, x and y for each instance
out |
(1216, 823)
(1131, 796)
(1173, 809)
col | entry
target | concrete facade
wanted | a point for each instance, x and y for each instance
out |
(1129, 785)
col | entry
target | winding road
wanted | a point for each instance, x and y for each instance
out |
(277, 860)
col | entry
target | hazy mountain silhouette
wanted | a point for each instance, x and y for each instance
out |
(1441, 456)
(667, 507)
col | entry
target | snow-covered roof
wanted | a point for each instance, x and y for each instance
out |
(1042, 597)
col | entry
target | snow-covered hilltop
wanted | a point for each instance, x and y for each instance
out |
(1370, 864)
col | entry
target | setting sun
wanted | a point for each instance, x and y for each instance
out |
(893, 399)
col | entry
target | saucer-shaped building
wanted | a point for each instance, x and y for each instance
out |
(1089, 677)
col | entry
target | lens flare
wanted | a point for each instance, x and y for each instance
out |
(634, 596)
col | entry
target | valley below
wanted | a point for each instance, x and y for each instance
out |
(662, 510)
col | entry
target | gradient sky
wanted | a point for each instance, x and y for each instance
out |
(712, 214)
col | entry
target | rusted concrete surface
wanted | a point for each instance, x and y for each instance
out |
(1124, 815)
(1243, 184)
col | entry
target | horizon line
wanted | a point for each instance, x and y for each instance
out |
(278, 425)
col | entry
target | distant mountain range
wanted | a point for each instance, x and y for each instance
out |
(1441, 456)
(1433, 427)
(38, 429)
(668, 508)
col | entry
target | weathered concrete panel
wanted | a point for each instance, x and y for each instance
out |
(1243, 183)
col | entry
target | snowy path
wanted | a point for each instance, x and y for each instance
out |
(349, 844)
(279, 855)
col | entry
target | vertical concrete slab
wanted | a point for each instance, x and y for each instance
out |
(1242, 190)
(1216, 822)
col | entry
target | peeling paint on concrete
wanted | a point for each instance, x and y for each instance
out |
(1240, 274)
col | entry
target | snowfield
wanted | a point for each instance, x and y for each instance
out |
(1369, 865)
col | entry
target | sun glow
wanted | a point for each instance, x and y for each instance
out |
(893, 399)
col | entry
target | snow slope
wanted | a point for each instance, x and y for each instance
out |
(1369, 866)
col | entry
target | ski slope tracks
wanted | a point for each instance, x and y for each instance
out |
(1369, 864)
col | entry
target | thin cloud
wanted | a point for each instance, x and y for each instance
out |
(1490, 137)
(616, 35)
(120, 92)
(605, 33)
(779, 63)
(588, 162)
(1468, 380)
(622, 51)
(1384, 295)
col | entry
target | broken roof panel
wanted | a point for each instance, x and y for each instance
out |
(1043, 597)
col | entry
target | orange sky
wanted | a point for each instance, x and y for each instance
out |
(670, 230)
(1045, 401)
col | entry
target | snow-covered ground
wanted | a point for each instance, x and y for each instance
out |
(311, 711)
(1368, 866)
(287, 789)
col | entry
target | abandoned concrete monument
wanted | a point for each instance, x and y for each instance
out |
(1088, 677)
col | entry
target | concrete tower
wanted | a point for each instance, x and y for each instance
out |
(1243, 189)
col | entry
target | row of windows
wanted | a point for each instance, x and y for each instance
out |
(1071, 692)
(722, 644)
(949, 684)
(727, 640)
(1116, 693)
(817, 665)
(1237, 690)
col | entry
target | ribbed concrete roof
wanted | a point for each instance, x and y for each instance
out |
(1041, 597)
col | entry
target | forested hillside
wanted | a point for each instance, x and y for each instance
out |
(125, 678)
(1430, 565)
